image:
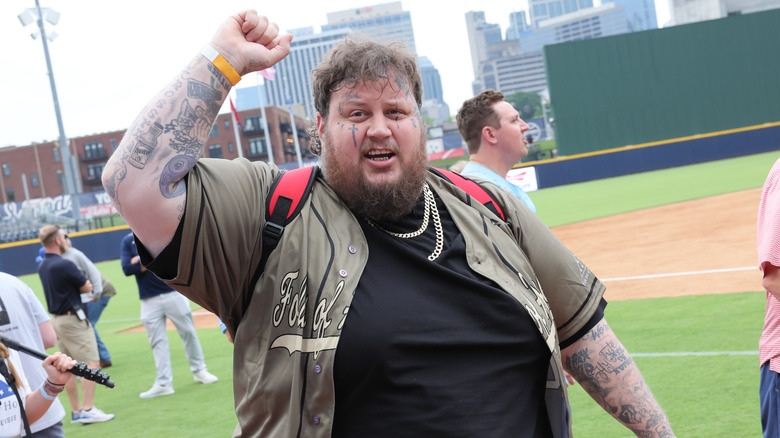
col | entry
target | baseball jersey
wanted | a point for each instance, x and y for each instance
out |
(287, 325)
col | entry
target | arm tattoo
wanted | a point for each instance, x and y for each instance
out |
(144, 146)
(171, 184)
(185, 129)
(112, 184)
(608, 373)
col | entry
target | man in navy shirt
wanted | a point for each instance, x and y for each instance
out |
(159, 301)
(67, 293)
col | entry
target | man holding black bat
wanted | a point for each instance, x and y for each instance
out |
(67, 291)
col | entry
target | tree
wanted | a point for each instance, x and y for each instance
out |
(529, 105)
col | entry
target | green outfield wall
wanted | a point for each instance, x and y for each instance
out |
(666, 83)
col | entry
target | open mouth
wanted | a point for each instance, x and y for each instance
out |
(379, 155)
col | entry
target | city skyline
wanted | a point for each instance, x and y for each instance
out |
(107, 64)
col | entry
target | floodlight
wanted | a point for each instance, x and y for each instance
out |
(51, 16)
(26, 17)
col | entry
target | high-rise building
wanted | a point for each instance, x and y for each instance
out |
(481, 35)
(518, 65)
(384, 22)
(518, 23)
(512, 73)
(545, 9)
(433, 104)
(687, 11)
(640, 14)
(293, 74)
(607, 19)
(431, 80)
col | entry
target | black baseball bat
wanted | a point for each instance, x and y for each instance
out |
(81, 369)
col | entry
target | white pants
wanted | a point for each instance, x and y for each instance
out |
(175, 307)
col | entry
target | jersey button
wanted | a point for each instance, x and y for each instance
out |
(315, 420)
(317, 368)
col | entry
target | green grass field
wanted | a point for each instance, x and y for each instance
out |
(704, 395)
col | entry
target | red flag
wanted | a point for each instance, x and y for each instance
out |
(235, 113)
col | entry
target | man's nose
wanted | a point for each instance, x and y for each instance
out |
(378, 127)
(524, 126)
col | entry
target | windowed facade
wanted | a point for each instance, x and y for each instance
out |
(10, 193)
(113, 144)
(94, 150)
(6, 169)
(252, 124)
(34, 180)
(95, 171)
(60, 178)
(257, 146)
(214, 131)
(231, 148)
(227, 125)
(56, 153)
(215, 151)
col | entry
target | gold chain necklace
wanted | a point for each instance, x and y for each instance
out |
(430, 211)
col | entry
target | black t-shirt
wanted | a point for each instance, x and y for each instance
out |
(61, 281)
(438, 351)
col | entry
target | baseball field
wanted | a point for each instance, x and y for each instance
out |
(676, 249)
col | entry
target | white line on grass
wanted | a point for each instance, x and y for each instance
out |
(697, 353)
(677, 274)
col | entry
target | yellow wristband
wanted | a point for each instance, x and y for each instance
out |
(221, 64)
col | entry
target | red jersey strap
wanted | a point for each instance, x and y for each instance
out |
(288, 194)
(291, 186)
(474, 190)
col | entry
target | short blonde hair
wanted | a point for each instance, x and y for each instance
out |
(48, 234)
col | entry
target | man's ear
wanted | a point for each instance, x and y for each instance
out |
(489, 134)
(320, 126)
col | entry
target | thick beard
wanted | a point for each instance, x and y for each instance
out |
(376, 202)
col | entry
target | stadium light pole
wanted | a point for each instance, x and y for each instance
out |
(52, 16)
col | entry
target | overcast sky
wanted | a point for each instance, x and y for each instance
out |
(109, 58)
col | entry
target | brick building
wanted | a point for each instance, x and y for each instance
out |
(36, 170)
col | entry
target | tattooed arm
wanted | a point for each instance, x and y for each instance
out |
(606, 371)
(145, 176)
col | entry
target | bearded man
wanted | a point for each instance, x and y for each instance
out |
(394, 304)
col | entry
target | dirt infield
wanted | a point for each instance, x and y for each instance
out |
(706, 246)
(712, 241)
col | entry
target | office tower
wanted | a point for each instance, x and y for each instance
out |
(640, 14)
(518, 65)
(545, 9)
(687, 11)
(607, 19)
(481, 35)
(518, 23)
(384, 22)
(431, 80)
(293, 77)
(433, 104)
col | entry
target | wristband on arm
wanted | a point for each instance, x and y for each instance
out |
(221, 64)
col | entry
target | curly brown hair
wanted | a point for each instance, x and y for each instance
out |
(355, 60)
(475, 114)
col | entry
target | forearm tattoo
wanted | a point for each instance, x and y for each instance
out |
(608, 373)
(179, 140)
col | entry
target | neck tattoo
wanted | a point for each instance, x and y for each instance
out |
(431, 211)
